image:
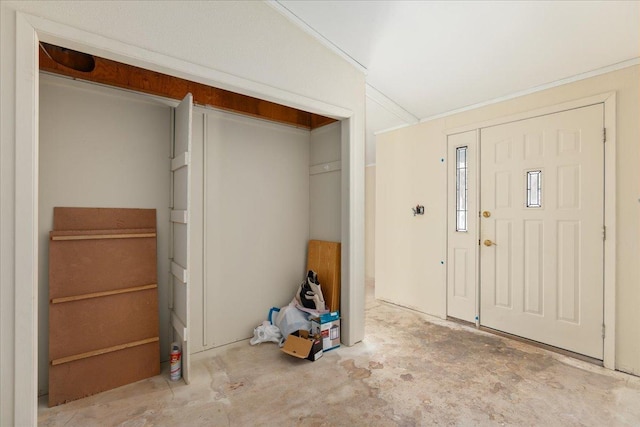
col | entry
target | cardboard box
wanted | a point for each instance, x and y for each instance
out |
(303, 345)
(328, 327)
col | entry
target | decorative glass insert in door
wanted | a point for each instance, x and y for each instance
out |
(461, 189)
(534, 189)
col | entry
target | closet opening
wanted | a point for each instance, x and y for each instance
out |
(259, 171)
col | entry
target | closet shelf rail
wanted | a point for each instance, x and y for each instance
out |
(103, 294)
(103, 351)
(138, 233)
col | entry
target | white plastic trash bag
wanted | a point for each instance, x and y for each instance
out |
(290, 319)
(266, 332)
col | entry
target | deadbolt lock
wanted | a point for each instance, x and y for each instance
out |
(486, 214)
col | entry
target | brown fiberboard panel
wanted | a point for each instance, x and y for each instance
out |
(85, 266)
(105, 333)
(131, 317)
(324, 258)
(102, 218)
(68, 381)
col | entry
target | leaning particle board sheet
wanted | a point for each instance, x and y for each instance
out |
(103, 300)
(324, 258)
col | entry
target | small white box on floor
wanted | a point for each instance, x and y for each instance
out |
(327, 325)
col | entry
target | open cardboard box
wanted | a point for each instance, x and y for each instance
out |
(303, 346)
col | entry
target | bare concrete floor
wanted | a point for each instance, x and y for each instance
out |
(410, 370)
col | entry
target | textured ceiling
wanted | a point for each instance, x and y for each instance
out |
(433, 57)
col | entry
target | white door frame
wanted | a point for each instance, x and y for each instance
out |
(609, 101)
(30, 30)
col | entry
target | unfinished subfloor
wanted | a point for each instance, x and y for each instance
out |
(410, 370)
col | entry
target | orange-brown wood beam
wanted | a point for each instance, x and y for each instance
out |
(125, 76)
(319, 121)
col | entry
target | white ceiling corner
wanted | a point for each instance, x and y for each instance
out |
(427, 59)
(389, 105)
(304, 25)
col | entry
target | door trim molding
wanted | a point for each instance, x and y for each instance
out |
(26, 225)
(609, 101)
(610, 243)
(556, 108)
(77, 39)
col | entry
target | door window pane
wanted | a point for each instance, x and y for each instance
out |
(461, 189)
(534, 189)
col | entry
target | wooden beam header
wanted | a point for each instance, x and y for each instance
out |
(138, 79)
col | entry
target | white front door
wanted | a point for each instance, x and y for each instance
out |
(180, 228)
(541, 229)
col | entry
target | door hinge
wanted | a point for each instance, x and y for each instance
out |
(603, 330)
(604, 134)
(604, 232)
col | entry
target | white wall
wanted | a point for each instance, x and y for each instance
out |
(409, 249)
(243, 46)
(100, 148)
(256, 222)
(8, 401)
(370, 222)
(324, 185)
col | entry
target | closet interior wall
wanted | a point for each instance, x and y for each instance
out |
(255, 196)
(100, 147)
(325, 183)
(263, 199)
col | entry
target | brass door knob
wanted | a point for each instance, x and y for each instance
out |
(486, 214)
(489, 243)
